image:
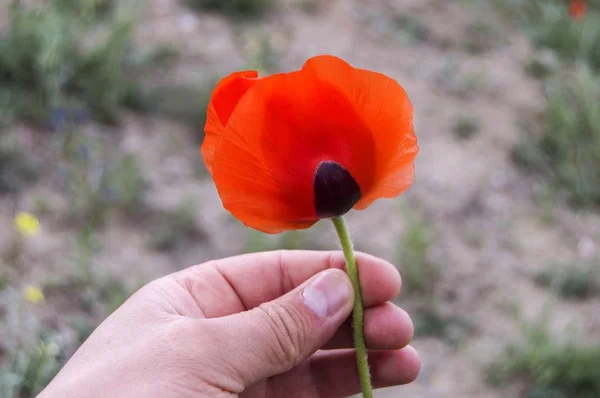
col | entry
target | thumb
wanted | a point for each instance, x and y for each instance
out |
(276, 336)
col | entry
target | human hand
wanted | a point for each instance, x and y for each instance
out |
(261, 325)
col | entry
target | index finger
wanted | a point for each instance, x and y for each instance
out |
(235, 284)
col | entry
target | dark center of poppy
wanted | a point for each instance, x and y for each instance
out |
(336, 191)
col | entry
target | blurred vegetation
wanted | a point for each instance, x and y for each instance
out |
(33, 357)
(16, 169)
(480, 37)
(37, 352)
(568, 152)
(576, 282)
(234, 8)
(550, 368)
(309, 6)
(29, 369)
(429, 322)
(419, 273)
(257, 241)
(187, 104)
(61, 62)
(550, 26)
(173, 227)
(412, 29)
(466, 127)
(97, 181)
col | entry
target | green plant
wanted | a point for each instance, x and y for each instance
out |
(234, 8)
(17, 169)
(429, 322)
(550, 26)
(83, 329)
(309, 6)
(480, 37)
(31, 356)
(576, 283)
(85, 8)
(86, 249)
(260, 242)
(30, 369)
(263, 55)
(113, 293)
(49, 71)
(257, 241)
(171, 227)
(549, 367)
(542, 64)
(186, 104)
(569, 150)
(413, 29)
(465, 127)
(126, 179)
(291, 240)
(418, 271)
(98, 181)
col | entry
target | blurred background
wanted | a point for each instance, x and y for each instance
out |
(102, 187)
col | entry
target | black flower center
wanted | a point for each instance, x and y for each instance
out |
(336, 191)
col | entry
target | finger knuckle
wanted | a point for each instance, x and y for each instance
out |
(287, 331)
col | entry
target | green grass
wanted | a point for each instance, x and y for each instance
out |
(550, 368)
(29, 369)
(574, 283)
(113, 293)
(97, 181)
(543, 64)
(17, 168)
(549, 25)
(419, 273)
(265, 57)
(311, 7)
(466, 127)
(31, 354)
(187, 104)
(234, 8)
(50, 72)
(86, 248)
(172, 227)
(413, 30)
(568, 152)
(480, 37)
(260, 242)
(429, 322)
(85, 8)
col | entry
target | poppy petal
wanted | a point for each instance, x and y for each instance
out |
(384, 107)
(223, 102)
(282, 130)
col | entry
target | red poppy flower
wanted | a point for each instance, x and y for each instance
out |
(288, 149)
(577, 8)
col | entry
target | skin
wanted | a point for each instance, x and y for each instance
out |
(262, 325)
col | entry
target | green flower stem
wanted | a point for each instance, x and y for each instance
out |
(357, 313)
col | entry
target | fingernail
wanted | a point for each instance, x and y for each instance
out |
(327, 294)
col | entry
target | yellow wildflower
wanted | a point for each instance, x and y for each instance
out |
(33, 294)
(27, 224)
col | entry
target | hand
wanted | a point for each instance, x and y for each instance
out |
(262, 325)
